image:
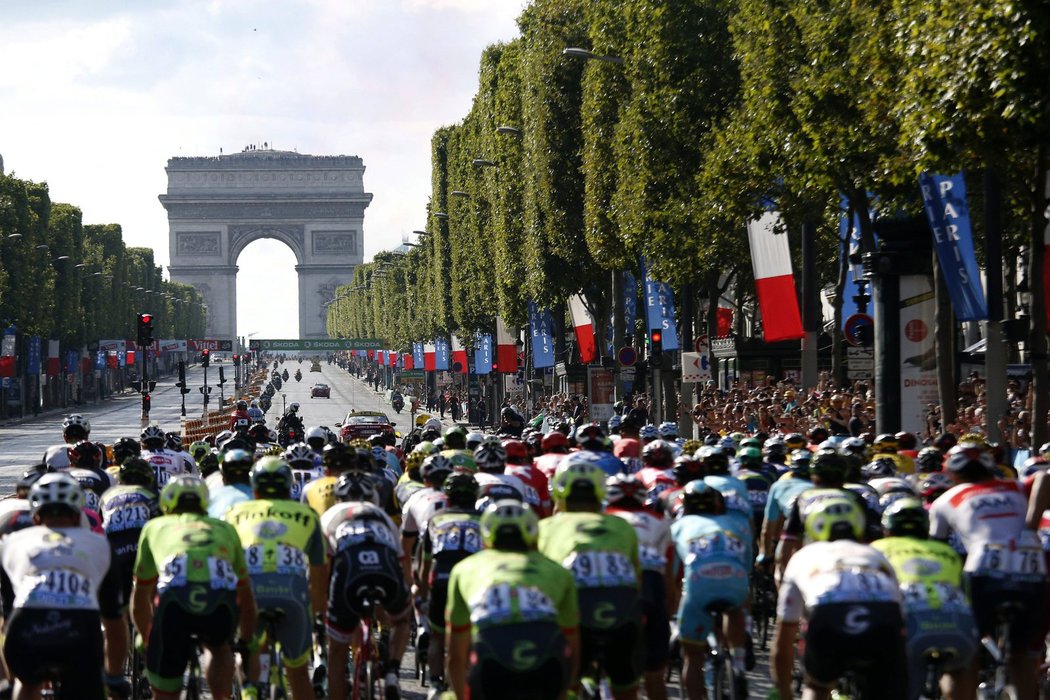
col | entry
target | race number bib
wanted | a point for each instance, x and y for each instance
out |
(718, 543)
(457, 537)
(601, 569)
(1025, 560)
(127, 517)
(652, 559)
(505, 603)
(937, 595)
(221, 575)
(57, 588)
(851, 585)
(172, 573)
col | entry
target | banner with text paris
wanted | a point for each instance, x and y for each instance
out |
(541, 325)
(659, 308)
(482, 353)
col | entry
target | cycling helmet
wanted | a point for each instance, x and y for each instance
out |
(517, 452)
(728, 445)
(835, 518)
(184, 491)
(223, 437)
(299, 453)
(377, 440)
(509, 524)
(750, 457)
(474, 439)
(775, 450)
(237, 463)
(751, 442)
(125, 448)
(893, 484)
(138, 471)
(461, 489)
(76, 425)
(259, 433)
(317, 437)
(714, 459)
(208, 465)
(534, 440)
(198, 449)
(933, 485)
(929, 459)
(578, 478)
(492, 439)
(795, 441)
(624, 487)
(426, 447)
(86, 455)
(29, 477)
(1044, 449)
(173, 441)
(687, 468)
(828, 465)
(590, 436)
(854, 446)
(667, 430)
(885, 443)
(657, 453)
(700, 498)
(800, 461)
(338, 457)
(462, 461)
(1032, 466)
(293, 407)
(456, 438)
(435, 468)
(969, 455)
(355, 486)
(272, 478)
(906, 517)
(906, 441)
(58, 490)
(555, 442)
(615, 422)
(712, 439)
(242, 405)
(432, 424)
(690, 447)
(648, 432)
(490, 458)
(879, 469)
(413, 461)
(152, 436)
(439, 443)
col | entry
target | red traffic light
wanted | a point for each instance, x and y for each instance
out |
(236, 357)
(145, 318)
(205, 351)
(656, 336)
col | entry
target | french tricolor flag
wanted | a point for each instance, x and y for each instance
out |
(584, 325)
(459, 355)
(506, 348)
(774, 281)
(429, 356)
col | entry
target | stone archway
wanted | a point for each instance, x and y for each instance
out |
(217, 206)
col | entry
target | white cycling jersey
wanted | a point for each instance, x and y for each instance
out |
(351, 522)
(655, 544)
(419, 508)
(55, 568)
(989, 518)
(167, 464)
(493, 487)
(822, 573)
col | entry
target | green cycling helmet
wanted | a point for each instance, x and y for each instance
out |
(184, 491)
(750, 457)
(578, 477)
(508, 521)
(426, 447)
(836, 518)
(272, 478)
(198, 449)
(462, 461)
(906, 517)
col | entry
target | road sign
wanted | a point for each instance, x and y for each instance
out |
(695, 367)
(316, 344)
(627, 356)
(860, 363)
(701, 345)
(856, 328)
(627, 373)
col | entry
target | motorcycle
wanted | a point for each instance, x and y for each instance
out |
(398, 402)
(288, 436)
(298, 376)
(264, 403)
(284, 375)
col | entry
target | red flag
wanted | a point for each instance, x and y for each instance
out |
(459, 355)
(391, 358)
(429, 357)
(371, 354)
(408, 361)
(774, 281)
(7, 365)
(131, 357)
(506, 349)
(581, 321)
(724, 320)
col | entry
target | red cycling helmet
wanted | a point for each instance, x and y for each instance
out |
(555, 441)
(86, 455)
(517, 452)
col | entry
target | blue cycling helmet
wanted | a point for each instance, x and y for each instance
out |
(648, 432)
(667, 430)
(615, 422)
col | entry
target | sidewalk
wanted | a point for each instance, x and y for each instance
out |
(65, 411)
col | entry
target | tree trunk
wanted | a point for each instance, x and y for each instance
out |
(944, 340)
(1037, 334)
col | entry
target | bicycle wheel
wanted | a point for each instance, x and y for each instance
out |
(724, 686)
(371, 682)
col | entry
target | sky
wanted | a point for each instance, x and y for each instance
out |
(96, 95)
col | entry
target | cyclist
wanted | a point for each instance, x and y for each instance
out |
(284, 549)
(713, 550)
(173, 442)
(412, 480)
(537, 485)
(75, 428)
(715, 464)
(936, 611)
(305, 466)
(125, 510)
(758, 480)
(337, 458)
(493, 483)
(601, 551)
(191, 581)
(886, 445)
(512, 614)
(591, 438)
(655, 474)
(422, 504)
(240, 411)
(125, 448)
(625, 497)
(59, 581)
(365, 552)
(16, 513)
(848, 594)
(165, 463)
(236, 485)
(1004, 563)
(452, 534)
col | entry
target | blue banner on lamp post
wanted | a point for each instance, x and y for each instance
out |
(483, 354)
(540, 324)
(659, 308)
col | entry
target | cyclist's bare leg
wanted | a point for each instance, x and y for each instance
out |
(400, 633)
(735, 629)
(961, 685)
(436, 652)
(302, 686)
(1023, 674)
(816, 693)
(694, 656)
(655, 686)
(27, 692)
(220, 671)
(338, 655)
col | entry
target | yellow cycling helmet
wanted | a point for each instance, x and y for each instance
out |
(690, 447)
(508, 522)
(185, 491)
(835, 518)
(414, 460)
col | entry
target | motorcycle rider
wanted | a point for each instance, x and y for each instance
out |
(291, 420)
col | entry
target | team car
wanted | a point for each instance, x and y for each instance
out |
(363, 424)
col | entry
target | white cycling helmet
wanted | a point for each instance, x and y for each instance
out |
(299, 452)
(293, 406)
(153, 432)
(317, 433)
(58, 488)
(77, 420)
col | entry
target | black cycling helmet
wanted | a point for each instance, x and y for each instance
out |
(137, 472)
(800, 462)
(461, 489)
(929, 459)
(657, 454)
(29, 477)
(590, 436)
(700, 498)
(687, 468)
(880, 468)
(828, 465)
(337, 457)
(355, 486)
(125, 448)
(714, 459)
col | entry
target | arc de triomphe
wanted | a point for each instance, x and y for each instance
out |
(218, 205)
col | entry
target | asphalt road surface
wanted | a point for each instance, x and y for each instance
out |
(23, 443)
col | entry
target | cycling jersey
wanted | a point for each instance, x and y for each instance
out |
(905, 464)
(735, 493)
(537, 487)
(451, 536)
(808, 500)
(190, 550)
(167, 464)
(406, 486)
(715, 554)
(782, 495)
(319, 494)
(656, 481)
(420, 507)
(600, 550)
(282, 539)
(548, 464)
(226, 497)
(606, 461)
(348, 523)
(758, 485)
(835, 572)
(301, 477)
(125, 511)
(494, 487)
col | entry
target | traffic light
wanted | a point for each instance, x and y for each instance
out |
(205, 357)
(656, 347)
(146, 399)
(236, 360)
(145, 327)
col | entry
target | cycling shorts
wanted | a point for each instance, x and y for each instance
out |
(291, 596)
(657, 622)
(436, 607)
(176, 629)
(986, 593)
(866, 638)
(62, 645)
(950, 630)
(611, 622)
(368, 564)
(519, 661)
(695, 620)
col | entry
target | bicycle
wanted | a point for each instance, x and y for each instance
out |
(934, 662)
(763, 606)
(596, 685)
(367, 660)
(723, 680)
(995, 680)
(271, 662)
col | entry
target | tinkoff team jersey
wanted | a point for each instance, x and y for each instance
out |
(178, 551)
(319, 494)
(55, 568)
(600, 550)
(279, 536)
(929, 572)
(498, 588)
